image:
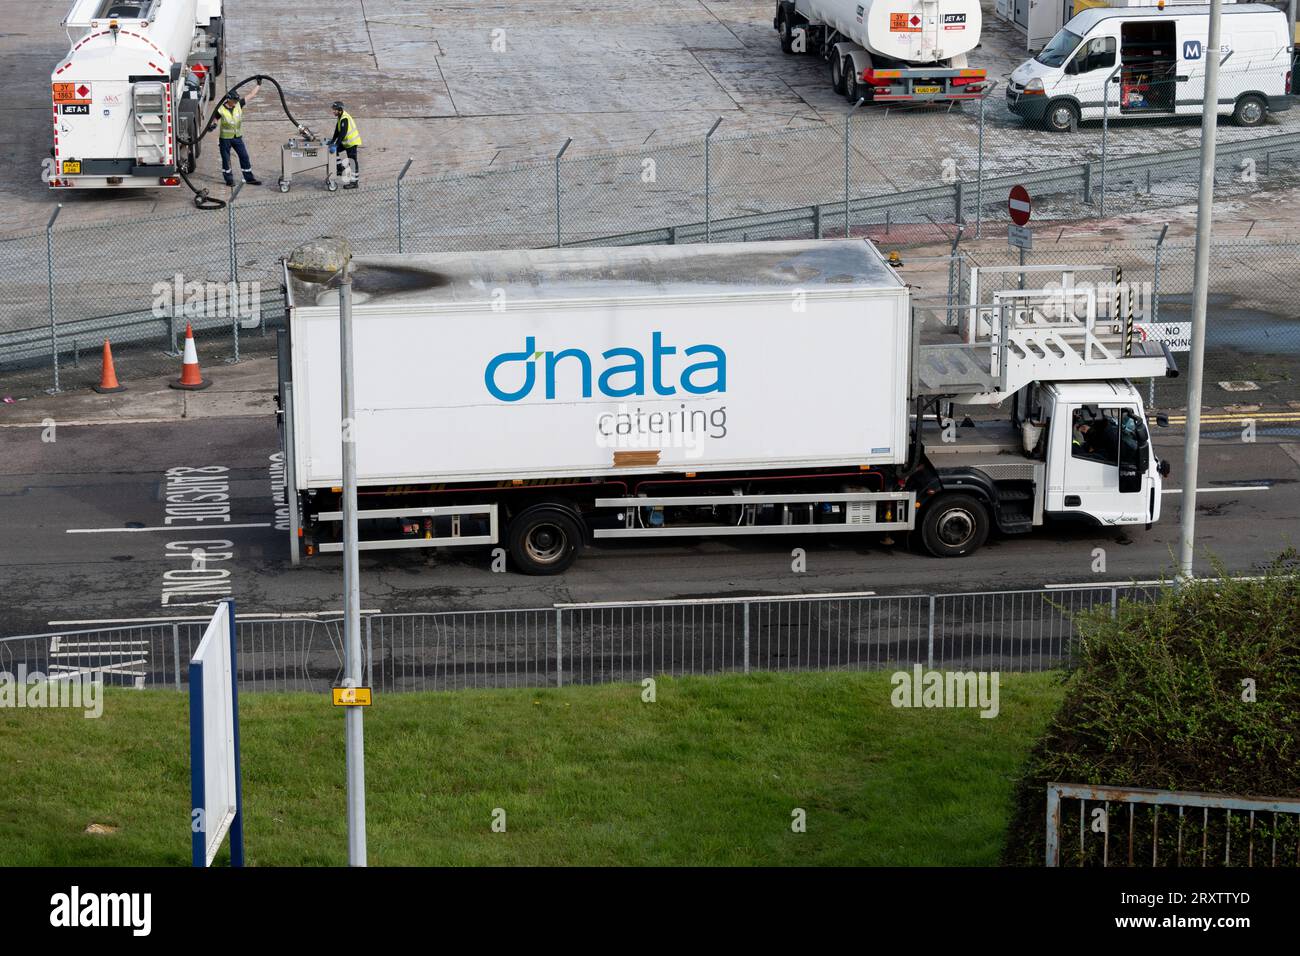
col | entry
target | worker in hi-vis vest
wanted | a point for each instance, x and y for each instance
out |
(230, 116)
(346, 139)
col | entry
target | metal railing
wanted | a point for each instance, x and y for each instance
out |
(1030, 630)
(1264, 832)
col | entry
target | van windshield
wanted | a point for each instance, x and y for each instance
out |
(1058, 49)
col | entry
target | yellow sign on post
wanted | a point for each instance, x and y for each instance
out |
(351, 696)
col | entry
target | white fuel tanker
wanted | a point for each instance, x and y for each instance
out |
(888, 50)
(138, 79)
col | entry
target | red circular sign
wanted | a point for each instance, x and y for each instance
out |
(1018, 205)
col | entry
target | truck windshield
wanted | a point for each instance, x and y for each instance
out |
(1058, 49)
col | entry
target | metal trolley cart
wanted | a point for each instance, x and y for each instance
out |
(299, 156)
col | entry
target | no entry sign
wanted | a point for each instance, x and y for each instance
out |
(1018, 205)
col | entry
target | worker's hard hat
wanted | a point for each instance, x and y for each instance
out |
(337, 105)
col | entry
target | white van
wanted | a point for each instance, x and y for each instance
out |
(1160, 56)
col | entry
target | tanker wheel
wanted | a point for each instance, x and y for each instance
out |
(545, 539)
(954, 525)
(837, 75)
(787, 35)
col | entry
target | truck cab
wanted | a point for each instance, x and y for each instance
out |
(1101, 465)
(1067, 451)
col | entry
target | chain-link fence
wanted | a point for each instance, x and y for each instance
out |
(1252, 349)
(899, 175)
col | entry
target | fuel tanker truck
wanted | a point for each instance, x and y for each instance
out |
(888, 50)
(136, 83)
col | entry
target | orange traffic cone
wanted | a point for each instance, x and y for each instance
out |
(191, 379)
(107, 375)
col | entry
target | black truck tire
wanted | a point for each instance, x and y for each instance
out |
(954, 525)
(545, 539)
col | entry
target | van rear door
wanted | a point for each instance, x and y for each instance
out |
(1149, 58)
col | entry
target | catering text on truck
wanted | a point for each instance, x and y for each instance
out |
(888, 50)
(1156, 57)
(542, 399)
(139, 78)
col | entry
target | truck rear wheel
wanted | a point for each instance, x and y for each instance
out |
(787, 34)
(837, 74)
(851, 88)
(954, 525)
(545, 539)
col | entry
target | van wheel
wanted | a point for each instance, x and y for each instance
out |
(1250, 111)
(1062, 116)
(954, 525)
(837, 75)
(545, 539)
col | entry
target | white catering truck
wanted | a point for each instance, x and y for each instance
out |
(888, 50)
(1154, 59)
(542, 399)
(139, 79)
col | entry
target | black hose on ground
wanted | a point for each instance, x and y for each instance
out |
(202, 199)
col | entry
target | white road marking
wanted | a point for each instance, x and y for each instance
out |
(725, 600)
(240, 615)
(215, 527)
(1125, 584)
(1206, 491)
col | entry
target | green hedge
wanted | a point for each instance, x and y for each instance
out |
(1156, 699)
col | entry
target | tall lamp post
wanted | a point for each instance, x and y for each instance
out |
(1200, 296)
(328, 262)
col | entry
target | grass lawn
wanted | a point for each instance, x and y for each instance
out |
(708, 774)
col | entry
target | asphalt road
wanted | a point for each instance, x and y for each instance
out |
(66, 555)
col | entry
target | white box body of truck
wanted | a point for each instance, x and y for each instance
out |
(540, 364)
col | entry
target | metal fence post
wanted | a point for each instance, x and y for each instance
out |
(567, 141)
(400, 177)
(847, 119)
(708, 195)
(817, 221)
(746, 637)
(176, 653)
(370, 651)
(559, 648)
(929, 654)
(1105, 128)
(952, 278)
(1155, 303)
(230, 222)
(1114, 603)
(1087, 184)
(49, 268)
(979, 169)
(957, 217)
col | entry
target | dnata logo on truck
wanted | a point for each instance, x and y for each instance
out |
(627, 372)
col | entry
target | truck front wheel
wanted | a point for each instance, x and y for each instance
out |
(954, 525)
(545, 539)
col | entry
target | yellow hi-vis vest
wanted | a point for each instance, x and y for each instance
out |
(354, 135)
(232, 121)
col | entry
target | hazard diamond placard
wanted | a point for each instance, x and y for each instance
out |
(66, 93)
